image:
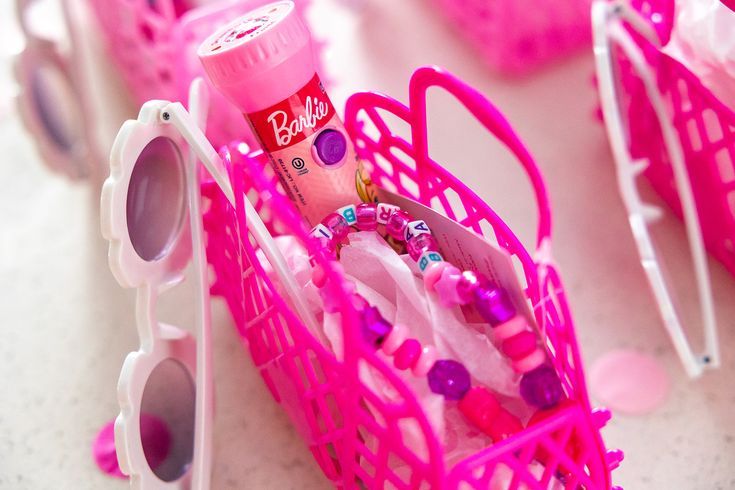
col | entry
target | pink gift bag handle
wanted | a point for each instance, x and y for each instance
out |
(488, 115)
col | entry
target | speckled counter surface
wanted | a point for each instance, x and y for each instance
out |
(66, 326)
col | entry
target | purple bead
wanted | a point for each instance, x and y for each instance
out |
(468, 283)
(449, 378)
(367, 216)
(375, 328)
(494, 304)
(338, 225)
(397, 224)
(418, 244)
(541, 387)
(331, 146)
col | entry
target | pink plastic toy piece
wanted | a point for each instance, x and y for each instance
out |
(703, 124)
(629, 381)
(344, 421)
(103, 451)
(513, 38)
(155, 50)
(156, 441)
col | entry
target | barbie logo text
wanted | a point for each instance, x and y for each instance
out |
(284, 131)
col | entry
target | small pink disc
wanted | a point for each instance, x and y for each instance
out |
(629, 381)
(104, 453)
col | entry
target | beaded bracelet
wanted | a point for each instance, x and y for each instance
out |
(540, 385)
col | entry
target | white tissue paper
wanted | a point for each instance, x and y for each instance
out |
(703, 39)
(394, 285)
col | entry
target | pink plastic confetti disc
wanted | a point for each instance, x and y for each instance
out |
(630, 382)
(156, 440)
(104, 453)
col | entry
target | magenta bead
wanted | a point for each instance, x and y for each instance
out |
(367, 216)
(407, 354)
(494, 305)
(397, 223)
(449, 378)
(467, 285)
(541, 387)
(338, 225)
(520, 345)
(418, 244)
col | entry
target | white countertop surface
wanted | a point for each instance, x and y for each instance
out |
(67, 326)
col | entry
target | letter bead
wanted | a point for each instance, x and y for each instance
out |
(418, 227)
(321, 231)
(349, 213)
(427, 258)
(384, 212)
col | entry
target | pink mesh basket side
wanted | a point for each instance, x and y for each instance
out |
(514, 37)
(706, 129)
(354, 433)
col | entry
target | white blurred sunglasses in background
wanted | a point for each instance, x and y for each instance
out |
(691, 288)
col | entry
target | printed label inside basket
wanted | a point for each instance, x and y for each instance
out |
(467, 250)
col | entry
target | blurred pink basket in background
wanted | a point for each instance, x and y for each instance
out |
(153, 43)
(353, 433)
(704, 125)
(513, 37)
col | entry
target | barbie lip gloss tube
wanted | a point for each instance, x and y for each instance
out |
(263, 63)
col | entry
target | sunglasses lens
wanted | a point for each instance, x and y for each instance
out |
(156, 199)
(167, 420)
(56, 106)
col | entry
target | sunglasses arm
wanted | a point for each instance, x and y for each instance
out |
(175, 113)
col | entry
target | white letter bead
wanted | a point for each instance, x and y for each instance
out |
(427, 258)
(321, 231)
(384, 212)
(418, 227)
(349, 213)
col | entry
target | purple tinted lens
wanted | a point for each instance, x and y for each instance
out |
(55, 105)
(156, 199)
(167, 420)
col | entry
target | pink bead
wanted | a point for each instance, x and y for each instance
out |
(419, 244)
(504, 425)
(397, 223)
(433, 272)
(511, 328)
(481, 407)
(338, 225)
(467, 285)
(407, 354)
(359, 302)
(395, 339)
(427, 359)
(446, 287)
(319, 276)
(520, 345)
(530, 362)
(367, 216)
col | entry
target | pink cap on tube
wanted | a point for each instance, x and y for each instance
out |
(260, 58)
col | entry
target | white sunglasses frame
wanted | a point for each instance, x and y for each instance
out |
(81, 161)
(160, 342)
(607, 29)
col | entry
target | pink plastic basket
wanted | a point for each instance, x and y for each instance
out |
(353, 434)
(154, 44)
(705, 126)
(513, 37)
